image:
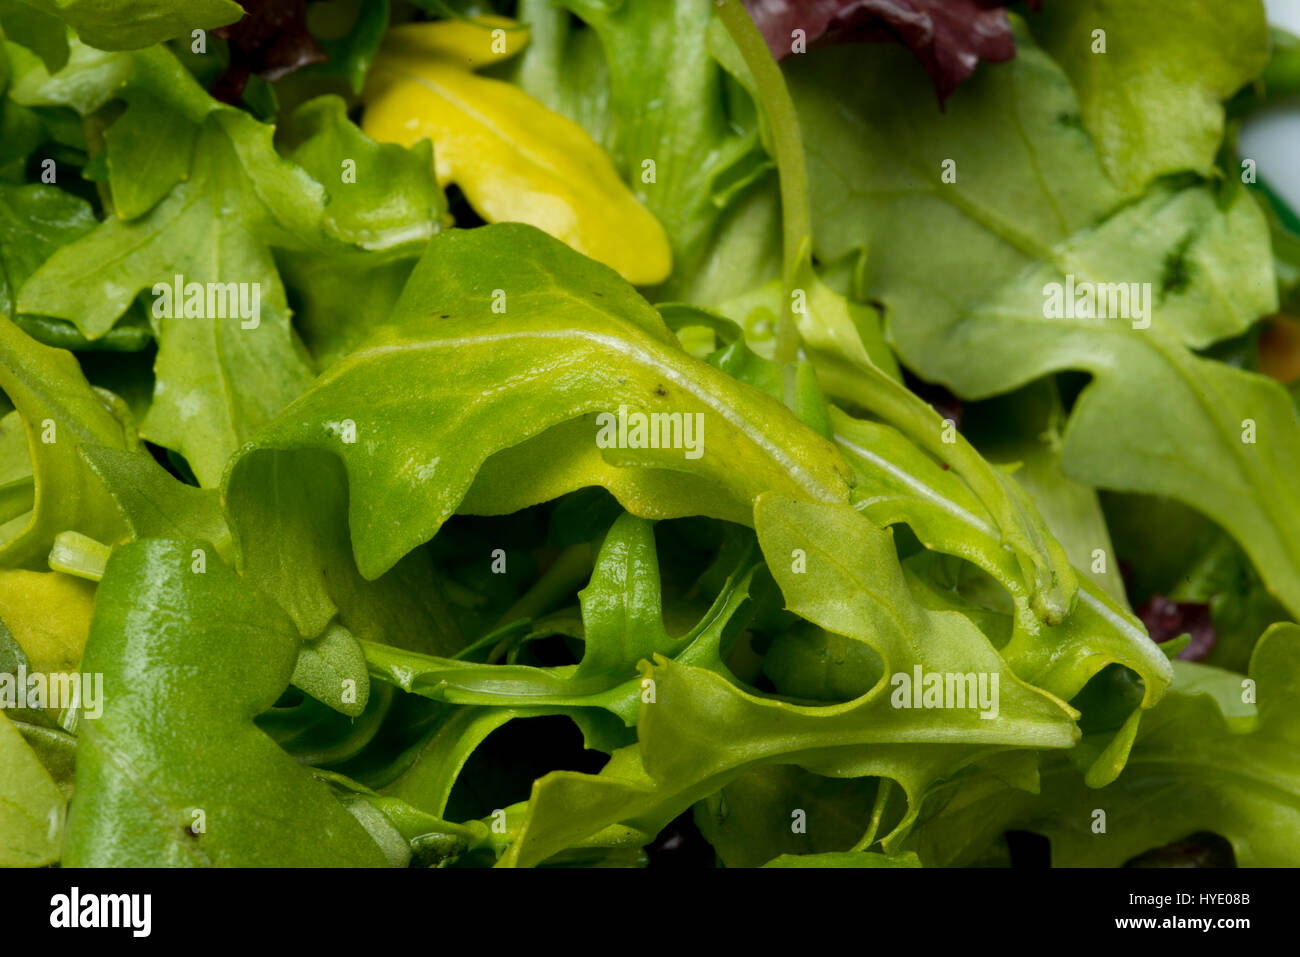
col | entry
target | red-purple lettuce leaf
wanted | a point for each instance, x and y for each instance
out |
(271, 40)
(949, 37)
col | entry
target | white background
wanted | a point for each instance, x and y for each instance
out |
(1272, 139)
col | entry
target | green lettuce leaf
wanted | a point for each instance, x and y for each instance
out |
(900, 484)
(844, 859)
(211, 210)
(1208, 267)
(61, 413)
(903, 471)
(35, 220)
(848, 588)
(1202, 761)
(222, 654)
(622, 625)
(1152, 97)
(133, 24)
(31, 806)
(1022, 432)
(217, 379)
(573, 341)
(754, 819)
(646, 82)
(289, 518)
(383, 199)
(31, 27)
(153, 503)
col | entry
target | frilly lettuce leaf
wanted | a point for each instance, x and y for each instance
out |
(756, 818)
(644, 80)
(389, 202)
(471, 455)
(289, 521)
(848, 587)
(1152, 98)
(61, 412)
(387, 207)
(212, 209)
(981, 329)
(133, 24)
(622, 618)
(153, 503)
(1022, 433)
(850, 370)
(897, 483)
(1206, 758)
(566, 340)
(35, 220)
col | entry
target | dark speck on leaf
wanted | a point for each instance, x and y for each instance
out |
(1175, 277)
(1072, 121)
(1177, 273)
(660, 390)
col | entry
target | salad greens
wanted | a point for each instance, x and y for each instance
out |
(504, 434)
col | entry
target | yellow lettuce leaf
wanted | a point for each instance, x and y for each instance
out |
(467, 43)
(48, 614)
(515, 160)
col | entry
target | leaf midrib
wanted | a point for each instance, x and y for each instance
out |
(626, 347)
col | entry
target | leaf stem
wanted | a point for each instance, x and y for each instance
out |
(787, 142)
(884, 790)
(1042, 560)
(80, 555)
(567, 574)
